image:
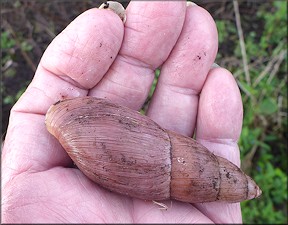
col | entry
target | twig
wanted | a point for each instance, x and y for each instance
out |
(162, 205)
(277, 65)
(280, 58)
(244, 89)
(248, 94)
(42, 22)
(270, 64)
(279, 119)
(247, 161)
(23, 53)
(281, 85)
(257, 63)
(241, 40)
(265, 71)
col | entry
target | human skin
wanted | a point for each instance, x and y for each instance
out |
(97, 55)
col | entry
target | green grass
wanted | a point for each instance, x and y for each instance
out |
(263, 142)
(9, 72)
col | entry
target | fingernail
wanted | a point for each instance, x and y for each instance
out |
(116, 7)
(191, 4)
(214, 65)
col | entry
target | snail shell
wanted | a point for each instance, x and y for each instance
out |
(116, 7)
(128, 153)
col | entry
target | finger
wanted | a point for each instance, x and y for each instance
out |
(220, 114)
(75, 61)
(175, 101)
(219, 125)
(151, 31)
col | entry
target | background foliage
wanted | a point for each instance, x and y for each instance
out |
(27, 28)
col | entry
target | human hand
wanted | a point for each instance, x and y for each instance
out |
(93, 57)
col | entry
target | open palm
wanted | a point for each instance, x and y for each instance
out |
(97, 55)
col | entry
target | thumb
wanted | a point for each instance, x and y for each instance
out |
(74, 62)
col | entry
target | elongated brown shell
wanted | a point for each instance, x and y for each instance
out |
(130, 154)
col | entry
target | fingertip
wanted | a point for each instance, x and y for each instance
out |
(194, 52)
(86, 48)
(151, 30)
(75, 61)
(220, 111)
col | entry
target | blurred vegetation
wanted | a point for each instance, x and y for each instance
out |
(27, 28)
(263, 141)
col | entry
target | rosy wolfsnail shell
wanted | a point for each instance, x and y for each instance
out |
(128, 153)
